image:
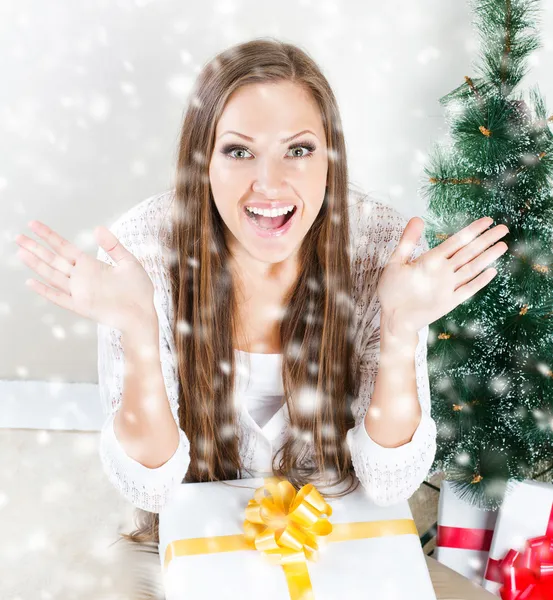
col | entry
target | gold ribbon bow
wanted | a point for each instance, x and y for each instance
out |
(287, 527)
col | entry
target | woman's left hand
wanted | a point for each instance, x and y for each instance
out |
(414, 294)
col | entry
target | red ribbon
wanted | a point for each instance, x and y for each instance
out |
(526, 574)
(464, 538)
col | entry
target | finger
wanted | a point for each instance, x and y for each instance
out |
(55, 296)
(50, 258)
(477, 247)
(468, 290)
(69, 251)
(53, 276)
(408, 240)
(109, 242)
(464, 236)
(477, 265)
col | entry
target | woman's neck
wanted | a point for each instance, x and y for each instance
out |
(261, 307)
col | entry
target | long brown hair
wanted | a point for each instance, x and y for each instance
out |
(316, 331)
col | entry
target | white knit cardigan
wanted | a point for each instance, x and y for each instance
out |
(389, 475)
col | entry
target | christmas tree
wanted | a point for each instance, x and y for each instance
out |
(490, 360)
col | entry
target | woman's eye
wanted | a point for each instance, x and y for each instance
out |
(296, 148)
(227, 151)
(236, 150)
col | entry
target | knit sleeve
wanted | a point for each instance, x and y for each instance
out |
(389, 475)
(146, 488)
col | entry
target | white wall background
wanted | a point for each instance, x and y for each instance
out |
(92, 96)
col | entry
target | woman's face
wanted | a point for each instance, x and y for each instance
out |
(265, 170)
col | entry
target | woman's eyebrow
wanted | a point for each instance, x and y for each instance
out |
(283, 141)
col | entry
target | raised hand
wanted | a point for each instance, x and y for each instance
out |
(414, 294)
(115, 296)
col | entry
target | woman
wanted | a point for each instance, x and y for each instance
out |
(320, 307)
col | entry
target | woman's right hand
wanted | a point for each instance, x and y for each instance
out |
(114, 296)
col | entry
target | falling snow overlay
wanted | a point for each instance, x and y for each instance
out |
(388, 474)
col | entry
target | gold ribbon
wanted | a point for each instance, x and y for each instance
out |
(288, 528)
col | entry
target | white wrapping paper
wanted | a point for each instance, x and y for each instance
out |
(462, 529)
(524, 513)
(384, 568)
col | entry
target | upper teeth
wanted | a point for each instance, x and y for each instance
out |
(267, 212)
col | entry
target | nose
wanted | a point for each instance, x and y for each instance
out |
(269, 179)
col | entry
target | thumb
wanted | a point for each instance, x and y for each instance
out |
(409, 238)
(110, 243)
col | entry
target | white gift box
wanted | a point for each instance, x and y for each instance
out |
(387, 567)
(464, 534)
(526, 512)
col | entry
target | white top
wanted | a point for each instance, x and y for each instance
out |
(388, 475)
(262, 389)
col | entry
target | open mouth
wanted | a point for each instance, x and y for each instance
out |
(270, 223)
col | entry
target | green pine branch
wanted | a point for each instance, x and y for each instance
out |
(490, 360)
